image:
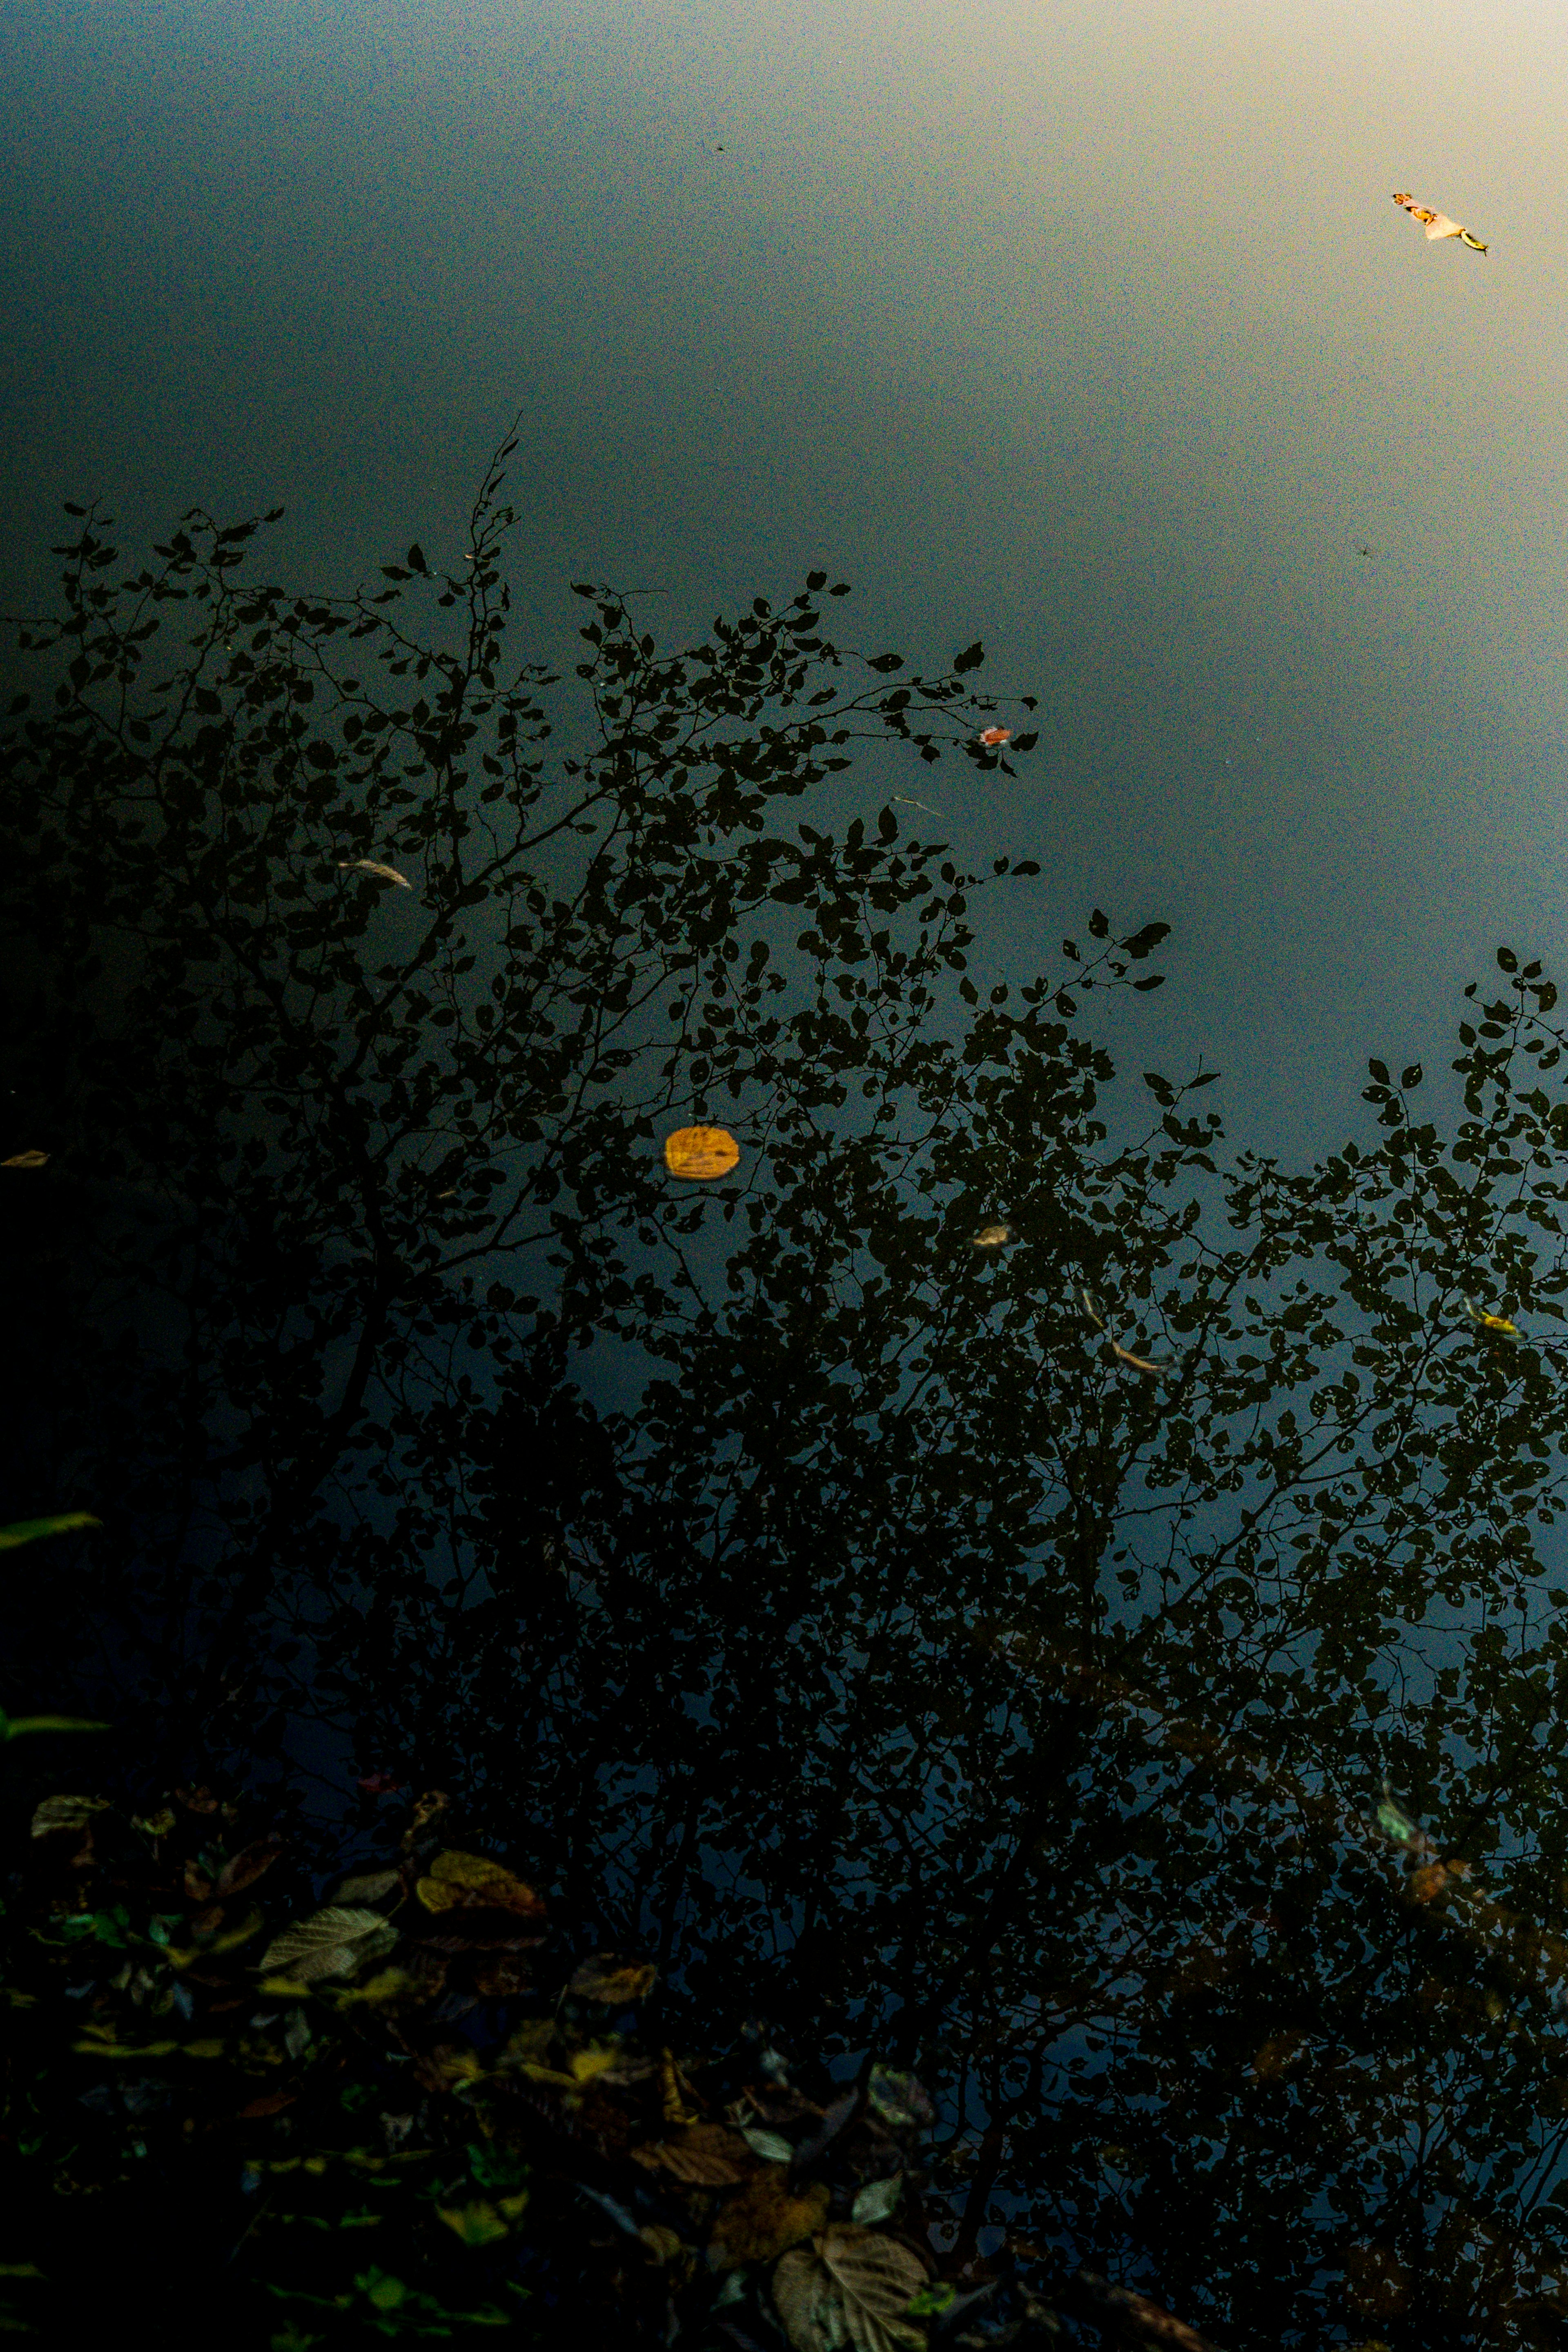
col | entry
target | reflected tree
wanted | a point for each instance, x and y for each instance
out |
(1003, 1580)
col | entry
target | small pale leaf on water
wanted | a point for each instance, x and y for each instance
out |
(698, 1154)
(616, 1982)
(877, 2202)
(877, 2277)
(771, 2147)
(26, 1531)
(373, 865)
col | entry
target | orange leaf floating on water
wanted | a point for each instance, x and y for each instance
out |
(992, 736)
(1438, 224)
(1139, 1363)
(700, 1153)
(991, 1236)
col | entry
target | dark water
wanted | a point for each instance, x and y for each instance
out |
(811, 1595)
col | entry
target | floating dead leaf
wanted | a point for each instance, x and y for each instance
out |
(618, 1983)
(27, 1159)
(994, 735)
(367, 1886)
(854, 2286)
(1497, 1324)
(1134, 2316)
(1139, 1363)
(475, 1882)
(663, 2244)
(373, 865)
(698, 1154)
(704, 2155)
(272, 2105)
(1437, 225)
(66, 1813)
(330, 1943)
(992, 1237)
(761, 2219)
(477, 2224)
(26, 1531)
(426, 1810)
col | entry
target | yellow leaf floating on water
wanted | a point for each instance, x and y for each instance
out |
(27, 1159)
(475, 1880)
(1497, 1323)
(1437, 225)
(373, 865)
(992, 1237)
(700, 1153)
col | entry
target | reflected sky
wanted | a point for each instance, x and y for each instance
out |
(1089, 329)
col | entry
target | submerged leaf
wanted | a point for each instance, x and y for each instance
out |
(66, 1814)
(898, 2098)
(475, 1882)
(617, 1983)
(761, 2219)
(26, 1531)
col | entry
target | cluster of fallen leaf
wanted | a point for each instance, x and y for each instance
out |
(398, 2113)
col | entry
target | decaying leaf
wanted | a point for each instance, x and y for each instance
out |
(704, 2155)
(243, 1868)
(1139, 1363)
(698, 1154)
(26, 1531)
(992, 737)
(1437, 225)
(854, 2287)
(763, 2218)
(27, 1159)
(367, 1886)
(373, 865)
(459, 1882)
(992, 1237)
(330, 1943)
(66, 1813)
(617, 1983)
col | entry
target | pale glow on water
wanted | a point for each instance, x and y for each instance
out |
(1091, 329)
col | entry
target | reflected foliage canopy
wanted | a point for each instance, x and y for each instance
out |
(816, 1604)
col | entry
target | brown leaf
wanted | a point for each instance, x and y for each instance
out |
(27, 1159)
(197, 1801)
(426, 1810)
(501, 1979)
(243, 1868)
(705, 2156)
(198, 1886)
(272, 2105)
(877, 2277)
(616, 1982)
(761, 2219)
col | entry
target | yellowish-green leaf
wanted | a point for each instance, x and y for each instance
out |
(333, 1942)
(26, 1531)
(66, 1814)
(476, 2225)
